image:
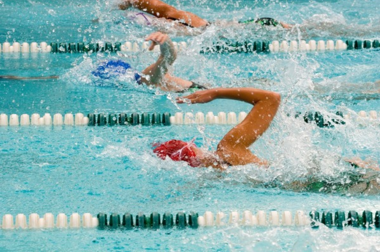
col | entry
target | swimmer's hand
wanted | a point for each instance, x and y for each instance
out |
(203, 96)
(157, 38)
(365, 164)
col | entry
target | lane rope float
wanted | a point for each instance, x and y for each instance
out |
(166, 119)
(217, 47)
(181, 220)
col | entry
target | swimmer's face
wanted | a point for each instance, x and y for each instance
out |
(125, 5)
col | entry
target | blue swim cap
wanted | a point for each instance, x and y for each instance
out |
(111, 68)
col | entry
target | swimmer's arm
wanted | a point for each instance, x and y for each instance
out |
(356, 161)
(157, 71)
(160, 9)
(14, 77)
(233, 148)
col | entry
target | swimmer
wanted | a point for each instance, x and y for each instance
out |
(160, 14)
(154, 75)
(233, 149)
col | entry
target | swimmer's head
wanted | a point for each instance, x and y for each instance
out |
(178, 150)
(124, 4)
(111, 68)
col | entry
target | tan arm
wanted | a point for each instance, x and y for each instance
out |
(234, 147)
(162, 10)
(157, 71)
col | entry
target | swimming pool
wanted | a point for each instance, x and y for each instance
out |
(70, 169)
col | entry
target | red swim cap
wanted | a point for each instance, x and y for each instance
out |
(177, 150)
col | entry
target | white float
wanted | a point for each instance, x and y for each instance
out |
(57, 119)
(35, 120)
(3, 120)
(209, 218)
(8, 221)
(179, 118)
(261, 218)
(75, 220)
(199, 118)
(24, 120)
(242, 116)
(312, 45)
(286, 218)
(34, 221)
(25, 47)
(222, 118)
(16, 47)
(33, 47)
(13, 120)
(21, 221)
(61, 220)
(189, 118)
(47, 119)
(210, 118)
(220, 219)
(48, 220)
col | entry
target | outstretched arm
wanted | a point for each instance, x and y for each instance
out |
(162, 10)
(157, 71)
(234, 147)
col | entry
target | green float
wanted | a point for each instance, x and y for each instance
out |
(367, 44)
(127, 221)
(340, 219)
(117, 47)
(115, 221)
(314, 215)
(112, 119)
(93, 47)
(259, 46)
(81, 47)
(123, 119)
(134, 119)
(353, 219)
(73, 48)
(54, 47)
(166, 119)
(102, 219)
(91, 119)
(62, 47)
(156, 119)
(180, 220)
(350, 44)
(376, 44)
(358, 44)
(327, 219)
(308, 117)
(145, 119)
(141, 221)
(250, 46)
(367, 219)
(377, 219)
(266, 46)
(102, 120)
(155, 219)
(193, 220)
(108, 47)
(167, 220)
(319, 120)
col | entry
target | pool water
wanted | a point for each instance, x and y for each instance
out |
(112, 169)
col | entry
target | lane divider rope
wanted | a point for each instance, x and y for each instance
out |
(148, 119)
(54, 47)
(217, 47)
(314, 219)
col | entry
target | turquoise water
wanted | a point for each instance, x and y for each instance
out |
(113, 169)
